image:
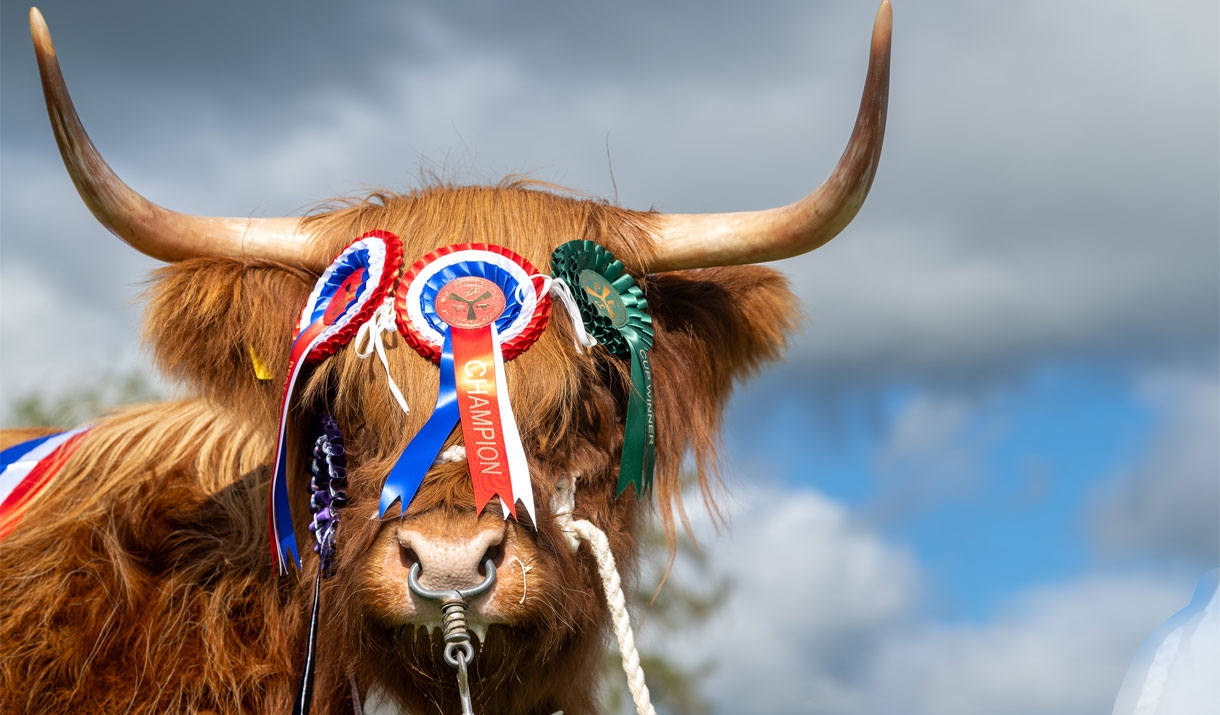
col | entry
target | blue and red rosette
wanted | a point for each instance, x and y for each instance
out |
(344, 298)
(470, 308)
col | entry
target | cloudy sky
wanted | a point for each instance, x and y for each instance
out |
(989, 465)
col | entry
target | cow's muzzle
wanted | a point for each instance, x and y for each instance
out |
(450, 564)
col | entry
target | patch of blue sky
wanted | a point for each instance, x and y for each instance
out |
(1063, 433)
(1035, 452)
(802, 442)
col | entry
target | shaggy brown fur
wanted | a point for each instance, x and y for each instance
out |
(142, 582)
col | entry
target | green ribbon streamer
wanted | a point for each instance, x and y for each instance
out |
(615, 313)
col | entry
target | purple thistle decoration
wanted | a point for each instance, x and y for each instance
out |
(329, 468)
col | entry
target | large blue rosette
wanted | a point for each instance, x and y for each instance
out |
(519, 311)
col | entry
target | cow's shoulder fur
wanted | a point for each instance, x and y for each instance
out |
(138, 582)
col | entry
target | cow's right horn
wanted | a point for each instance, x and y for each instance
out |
(152, 230)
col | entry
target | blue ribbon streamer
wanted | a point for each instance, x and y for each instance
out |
(283, 517)
(409, 471)
(283, 511)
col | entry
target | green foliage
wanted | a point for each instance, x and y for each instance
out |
(76, 406)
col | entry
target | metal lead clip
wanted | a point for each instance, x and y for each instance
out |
(458, 650)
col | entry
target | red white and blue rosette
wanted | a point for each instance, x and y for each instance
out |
(470, 307)
(344, 298)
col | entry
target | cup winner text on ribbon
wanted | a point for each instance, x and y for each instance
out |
(642, 353)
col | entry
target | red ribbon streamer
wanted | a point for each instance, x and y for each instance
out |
(296, 361)
(479, 404)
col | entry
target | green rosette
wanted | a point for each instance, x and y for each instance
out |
(615, 313)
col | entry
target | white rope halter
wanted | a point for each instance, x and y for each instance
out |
(578, 530)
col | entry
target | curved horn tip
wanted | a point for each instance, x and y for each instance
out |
(154, 231)
(696, 240)
(40, 33)
(883, 26)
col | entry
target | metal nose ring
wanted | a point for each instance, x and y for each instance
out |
(464, 594)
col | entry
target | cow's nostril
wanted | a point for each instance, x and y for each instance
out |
(495, 554)
(407, 556)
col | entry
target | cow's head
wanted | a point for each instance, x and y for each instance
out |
(232, 295)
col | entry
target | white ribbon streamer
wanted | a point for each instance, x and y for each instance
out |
(372, 332)
(562, 292)
(518, 466)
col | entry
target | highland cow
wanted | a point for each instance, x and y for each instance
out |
(141, 582)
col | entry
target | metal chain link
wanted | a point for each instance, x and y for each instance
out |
(458, 649)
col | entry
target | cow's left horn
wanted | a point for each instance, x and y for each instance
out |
(149, 228)
(695, 240)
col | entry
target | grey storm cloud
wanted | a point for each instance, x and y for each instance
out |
(1047, 192)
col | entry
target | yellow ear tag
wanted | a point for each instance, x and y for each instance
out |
(260, 368)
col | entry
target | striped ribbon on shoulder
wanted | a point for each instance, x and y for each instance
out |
(27, 468)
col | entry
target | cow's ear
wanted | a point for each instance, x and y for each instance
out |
(714, 327)
(224, 327)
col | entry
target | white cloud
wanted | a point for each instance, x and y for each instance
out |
(67, 288)
(826, 617)
(1061, 649)
(931, 455)
(811, 593)
(1052, 196)
(66, 343)
(1046, 192)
